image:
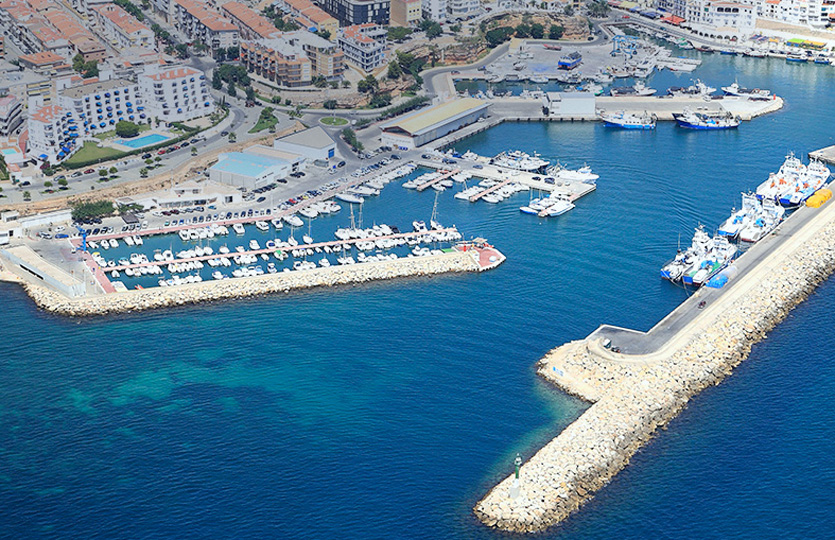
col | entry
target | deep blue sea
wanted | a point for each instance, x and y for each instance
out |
(387, 410)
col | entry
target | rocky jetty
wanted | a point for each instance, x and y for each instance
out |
(633, 395)
(157, 297)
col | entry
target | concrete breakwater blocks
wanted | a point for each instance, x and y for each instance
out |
(633, 398)
(157, 297)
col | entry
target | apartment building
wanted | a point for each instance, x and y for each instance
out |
(176, 94)
(199, 23)
(435, 10)
(364, 45)
(293, 59)
(97, 106)
(11, 115)
(350, 12)
(52, 134)
(405, 12)
(122, 29)
(309, 15)
(250, 24)
(461, 9)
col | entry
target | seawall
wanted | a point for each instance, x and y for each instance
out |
(634, 395)
(158, 297)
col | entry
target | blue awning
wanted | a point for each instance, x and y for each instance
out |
(69, 114)
(65, 148)
(101, 117)
(73, 135)
(140, 108)
(98, 110)
(109, 108)
(73, 128)
(43, 156)
(110, 115)
(142, 115)
(113, 121)
(102, 124)
(206, 104)
(130, 117)
(129, 104)
(130, 110)
(61, 154)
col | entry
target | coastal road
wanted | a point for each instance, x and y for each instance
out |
(633, 342)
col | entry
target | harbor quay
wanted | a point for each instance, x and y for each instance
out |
(633, 395)
(465, 259)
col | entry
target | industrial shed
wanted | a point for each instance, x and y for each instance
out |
(426, 125)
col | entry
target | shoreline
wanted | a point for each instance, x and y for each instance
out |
(157, 297)
(634, 395)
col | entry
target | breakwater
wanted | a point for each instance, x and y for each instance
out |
(635, 395)
(157, 297)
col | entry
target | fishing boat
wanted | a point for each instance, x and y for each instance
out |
(570, 60)
(628, 120)
(706, 120)
(739, 219)
(639, 89)
(765, 222)
(822, 59)
(698, 88)
(720, 253)
(754, 93)
(754, 53)
(674, 269)
(797, 58)
(729, 52)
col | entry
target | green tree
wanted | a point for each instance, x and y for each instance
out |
(193, 150)
(232, 137)
(220, 54)
(126, 129)
(149, 161)
(319, 81)
(102, 173)
(63, 182)
(143, 172)
(113, 170)
(497, 36)
(395, 71)
(26, 195)
(250, 93)
(157, 159)
(568, 10)
(47, 184)
(217, 82)
(555, 32)
(368, 84)
(276, 100)
(382, 99)
(231, 89)
(537, 31)
(334, 84)
(434, 31)
(346, 84)
(130, 8)
(324, 34)
(181, 50)
(399, 33)
(330, 104)
(523, 31)
(288, 102)
(232, 53)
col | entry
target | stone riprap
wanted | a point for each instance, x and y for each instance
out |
(157, 297)
(635, 395)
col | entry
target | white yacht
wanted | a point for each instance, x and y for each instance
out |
(293, 220)
(262, 226)
(238, 228)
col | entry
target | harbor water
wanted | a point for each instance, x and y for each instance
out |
(388, 409)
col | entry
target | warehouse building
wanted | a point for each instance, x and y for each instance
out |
(314, 143)
(250, 171)
(431, 123)
(576, 105)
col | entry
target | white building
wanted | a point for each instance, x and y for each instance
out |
(364, 45)
(121, 28)
(250, 171)
(313, 143)
(49, 134)
(98, 106)
(176, 94)
(435, 10)
(721, 19)
(461, 9)
(11, 115)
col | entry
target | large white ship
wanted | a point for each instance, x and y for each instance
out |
(520, 161)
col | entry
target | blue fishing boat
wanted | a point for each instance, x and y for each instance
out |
(706, 121)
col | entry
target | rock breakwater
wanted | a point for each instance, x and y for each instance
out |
(632, 399)
(158, 297)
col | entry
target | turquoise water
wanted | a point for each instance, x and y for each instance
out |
(145, 140)
(9, 151)
(388, 409)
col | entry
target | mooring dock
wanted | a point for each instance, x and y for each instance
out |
(444, 175)
(482, 169)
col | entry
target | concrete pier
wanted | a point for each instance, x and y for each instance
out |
(827, 155)
(473, 259)
(635, 394)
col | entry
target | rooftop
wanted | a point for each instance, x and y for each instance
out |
(426, 119)
(41, 58)
(315, 137)
(176, 73)
(92, 88)
(46, 114)
(249, 18)
(246, 164)
(121, 18)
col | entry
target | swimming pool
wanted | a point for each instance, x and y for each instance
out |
(9, 151)
(147, 140)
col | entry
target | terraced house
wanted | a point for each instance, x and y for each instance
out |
(293, 59)
(176, 94)
(250, 24)
(309, 15)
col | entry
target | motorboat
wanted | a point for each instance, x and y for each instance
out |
(750, 93)
(262, 226)
(238, 228)
(628, 120)
(706, 120)
(293, 220)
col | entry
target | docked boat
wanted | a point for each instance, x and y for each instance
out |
(253, 245)
(583, 174)
(520, 161)
(750, 93)
(739, 219)
(797, 57)
(350, 198)
(794, 182)
(238, 228)
(765, 222)
(556, 206)
(293, 220)
(706, 120)
(675, 269)
(729, 52)
(539, 79)
(262, 226)
(309, 212)
(822, 59)
(698, 88)
(628, 120)
(639, 89)
(277, 224)
(719, 254)
(754, 53)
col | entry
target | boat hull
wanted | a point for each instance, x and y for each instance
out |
(688, 125)
(609, 123)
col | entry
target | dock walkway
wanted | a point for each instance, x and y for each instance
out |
(480, 194)
(444, 176)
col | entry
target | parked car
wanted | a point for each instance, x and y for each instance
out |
(89, 171)
(261, 199)
(146, 156)
(76, 174)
